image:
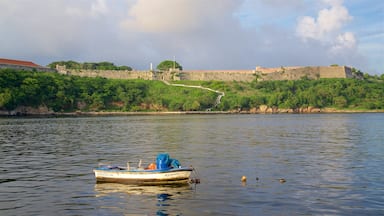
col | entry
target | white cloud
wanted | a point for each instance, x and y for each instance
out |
(158, 16)
(87, 9)
(327, 28)
(328, 22)
(282, 3)
(99, 8)
(308, 28)
(169, 16)
(344, 42)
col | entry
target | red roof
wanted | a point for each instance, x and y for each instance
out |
(18, 62)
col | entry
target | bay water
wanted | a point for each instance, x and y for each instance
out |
(332, 164)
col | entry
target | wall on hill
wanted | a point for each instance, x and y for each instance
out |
(289, 73)
(111, 74)
(218, 75)
(308, 72)
(335, 72)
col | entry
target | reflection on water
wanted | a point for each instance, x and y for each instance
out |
(158, 199)
(333, 164)
(110, 188)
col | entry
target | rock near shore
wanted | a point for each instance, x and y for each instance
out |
(266, 109)
(26, 110)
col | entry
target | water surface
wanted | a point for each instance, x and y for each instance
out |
(332, 164)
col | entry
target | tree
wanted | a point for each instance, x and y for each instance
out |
(6, 100)
(30, 91)
(169, 64)
(89, 65)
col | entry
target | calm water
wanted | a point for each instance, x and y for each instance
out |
(333, 164)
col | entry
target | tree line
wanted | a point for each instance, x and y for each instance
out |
(89, 65)
(338, 93)
(162, 66)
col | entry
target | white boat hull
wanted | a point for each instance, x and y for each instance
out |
(143, 177)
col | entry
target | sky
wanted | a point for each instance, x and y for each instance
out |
(198, 34)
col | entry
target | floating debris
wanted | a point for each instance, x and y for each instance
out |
(243, 178)
(282, 180)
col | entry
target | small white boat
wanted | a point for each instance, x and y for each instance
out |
(116, 174)
(165, 171)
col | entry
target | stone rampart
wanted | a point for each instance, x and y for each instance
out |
(282, 73)
(219, 75)
(335, 72)
(293, 74)
(111, 74)
(308, 72)
(264, 70)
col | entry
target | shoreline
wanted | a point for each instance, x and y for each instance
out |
(118, 113)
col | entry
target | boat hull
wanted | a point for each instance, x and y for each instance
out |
(143, 177)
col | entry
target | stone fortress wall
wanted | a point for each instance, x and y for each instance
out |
(111, 74)
(295, 73)
(260, 73)
(220, 75)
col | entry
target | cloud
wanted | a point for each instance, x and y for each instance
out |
(87, 9)
(328, 21)
(344, 42)
(327, 28)
(51, 30)
(155, 16)
(214, 34)
(282, 3)
(200, 32)
(169, 16)
(99, 8)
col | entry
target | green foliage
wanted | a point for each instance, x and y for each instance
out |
(168, 64)
(89, 65)
(71, 93)
(352, 94)
(179, 98)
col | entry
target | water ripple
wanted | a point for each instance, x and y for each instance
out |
(332, 164)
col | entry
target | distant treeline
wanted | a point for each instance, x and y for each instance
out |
(89, 65)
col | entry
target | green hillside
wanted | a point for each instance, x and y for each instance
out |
(62, 93)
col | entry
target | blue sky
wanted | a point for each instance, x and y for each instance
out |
(200, 34)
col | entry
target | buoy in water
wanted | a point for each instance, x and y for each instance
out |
(282, 180)
(243, 178)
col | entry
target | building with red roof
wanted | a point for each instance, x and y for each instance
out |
(22, 65)
(18, 62)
